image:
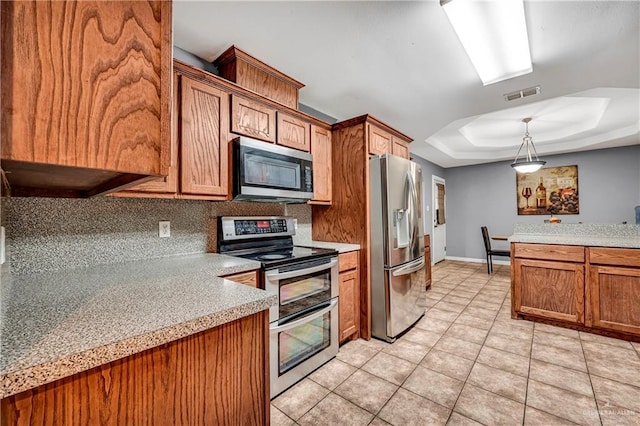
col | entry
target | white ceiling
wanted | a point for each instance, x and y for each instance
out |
(402, 63)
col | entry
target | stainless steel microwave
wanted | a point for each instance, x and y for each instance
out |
(267, 172)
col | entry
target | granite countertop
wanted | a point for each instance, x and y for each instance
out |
(591, 235)
(303, 238)
(56, 324)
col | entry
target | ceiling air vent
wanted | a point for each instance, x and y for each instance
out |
(519, 94)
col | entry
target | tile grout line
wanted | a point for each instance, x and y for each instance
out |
(595, 398)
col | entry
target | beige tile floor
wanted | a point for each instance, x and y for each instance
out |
(467, 362)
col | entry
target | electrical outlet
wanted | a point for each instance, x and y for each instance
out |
(164, 229)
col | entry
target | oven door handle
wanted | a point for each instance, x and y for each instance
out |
(288, 326)
(299, 272)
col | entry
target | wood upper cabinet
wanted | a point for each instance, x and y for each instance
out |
(380, 141)
(400, 148)
(204, 139)
(613, 289)
(293, 132)
(253, 119)
(322, 175)
(86, 88)
(167, 184)
(349, 296)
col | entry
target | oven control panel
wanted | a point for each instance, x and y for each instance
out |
(240, 227)
(253, 227)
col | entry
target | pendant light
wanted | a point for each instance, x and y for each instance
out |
(530, 162)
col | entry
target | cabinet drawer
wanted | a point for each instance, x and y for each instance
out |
(252, 119)
(246, 278)
(549, 252)
(614, 256)
(348, 260)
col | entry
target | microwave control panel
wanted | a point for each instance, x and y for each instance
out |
(245, 227)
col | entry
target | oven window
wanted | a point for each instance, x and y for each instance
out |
(302, 292)
(260, 170)
(302, 342)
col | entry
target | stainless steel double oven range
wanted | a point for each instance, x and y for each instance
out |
(303, 325)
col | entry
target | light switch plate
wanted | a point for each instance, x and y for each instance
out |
(164, 229)
(2, 250)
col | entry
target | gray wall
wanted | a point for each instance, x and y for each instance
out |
(609, 188)
(428, 169)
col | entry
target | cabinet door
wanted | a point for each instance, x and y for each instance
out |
(400, 148)
(293, 132)
(615, 298)
(204, 140)
(84, 85)
(169, 183)
(549, 289)
(380, 142)
(348, 302)
(321, 152)
(427, 260)
(252, 119)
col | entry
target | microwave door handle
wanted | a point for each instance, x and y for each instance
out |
(297, 273)
(288, 326)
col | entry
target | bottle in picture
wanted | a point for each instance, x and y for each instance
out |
(541, 196)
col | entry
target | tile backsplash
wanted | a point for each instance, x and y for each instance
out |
(46, 234)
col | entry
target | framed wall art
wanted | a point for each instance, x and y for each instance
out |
(549, 191)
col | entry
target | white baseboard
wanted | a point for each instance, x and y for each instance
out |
(474, 260)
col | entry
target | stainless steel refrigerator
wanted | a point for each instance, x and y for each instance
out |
(398, 293)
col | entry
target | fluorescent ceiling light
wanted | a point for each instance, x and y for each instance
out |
(494, 34)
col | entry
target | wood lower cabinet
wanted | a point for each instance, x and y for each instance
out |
(247, 278)
(253, 119)
(427, 261)
(85, 99)
(613, 289)
(216, 377)
(321, 152)
(549, 289)
(594, 289)
(349, 297)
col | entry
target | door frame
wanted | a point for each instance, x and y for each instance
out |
(434, 194)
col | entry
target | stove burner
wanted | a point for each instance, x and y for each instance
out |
(272, 256)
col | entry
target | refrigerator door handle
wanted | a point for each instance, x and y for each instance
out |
(410, 268)
(414, 209)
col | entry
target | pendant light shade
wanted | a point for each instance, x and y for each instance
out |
(529, 162)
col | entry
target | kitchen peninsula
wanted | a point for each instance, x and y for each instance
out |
(585, 277)
(167, 340)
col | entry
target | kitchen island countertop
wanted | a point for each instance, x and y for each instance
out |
(56, 324)
(589, 235)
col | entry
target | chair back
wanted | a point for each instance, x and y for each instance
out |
(485, 238)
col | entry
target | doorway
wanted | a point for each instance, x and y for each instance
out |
(439, 222)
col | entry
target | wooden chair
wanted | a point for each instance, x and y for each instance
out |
(490, 251)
